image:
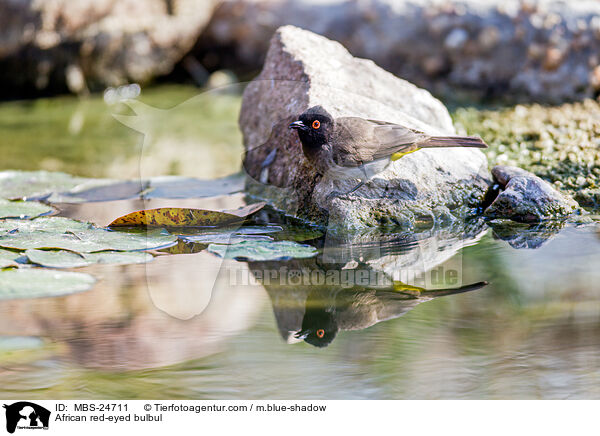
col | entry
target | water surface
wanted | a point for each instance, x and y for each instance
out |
(197, 326)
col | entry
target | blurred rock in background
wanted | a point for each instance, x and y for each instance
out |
(542, 50)
(49, 46)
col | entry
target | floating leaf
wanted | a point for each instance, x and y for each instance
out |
(225, 238)
(23, 209)
(258, 230)
(36, 184)
(45, 224)
(9, 258)
(101, 190)
(188, 187)
(184, 217)
(57, 259)
(229, 235)
(88, 241)
(263, 250)
(69, 259)
(36, 283)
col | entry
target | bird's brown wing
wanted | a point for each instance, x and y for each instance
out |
(359, 141)
(394, 138)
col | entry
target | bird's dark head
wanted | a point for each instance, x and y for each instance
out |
(314, 127)
(319, 327)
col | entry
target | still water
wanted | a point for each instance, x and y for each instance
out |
(199, 327)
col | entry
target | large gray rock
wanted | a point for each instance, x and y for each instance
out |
(59, 44)
(526, 198)
(540, 49)
(302, 70)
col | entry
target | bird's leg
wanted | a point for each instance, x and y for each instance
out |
(343, 194)
(362, 182)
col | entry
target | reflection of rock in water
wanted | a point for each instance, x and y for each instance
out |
(526, 235)
(351, 286)
(390, 252)
(129, 320)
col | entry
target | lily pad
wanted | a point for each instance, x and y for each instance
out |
(185, 217)
(57, 258)
(9, 258)
(36, 184)
(188, 187)
(258, 230)
(45, 224)
(225, 238)
(88, 241)
(23, 209)
(69, 259)
(230, 235)
(263, 250)
(36, 283)
(101, 190)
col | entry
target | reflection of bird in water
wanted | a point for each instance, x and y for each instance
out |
(327, 312)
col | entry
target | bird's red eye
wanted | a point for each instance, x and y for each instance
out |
(320, 332)
(316, 124)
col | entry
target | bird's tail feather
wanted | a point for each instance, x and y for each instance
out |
(453, 291)
(453, 141)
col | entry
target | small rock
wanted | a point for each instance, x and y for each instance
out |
(527, 198)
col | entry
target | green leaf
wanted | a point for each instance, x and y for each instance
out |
(263, 250)
(9, 258)
(23, 209)
(45, 224)
(224, 238)
(35, 184)
(101, 190)
(36, 283)
(68, 259)
(57, 259)
(188, 187)
(90, 240)
(229, 235)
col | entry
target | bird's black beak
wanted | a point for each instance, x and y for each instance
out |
(302, 334)
(298, 125)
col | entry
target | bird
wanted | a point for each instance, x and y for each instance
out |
(328, 311)
(359, 148)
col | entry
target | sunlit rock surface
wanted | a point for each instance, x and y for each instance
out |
(302, 70)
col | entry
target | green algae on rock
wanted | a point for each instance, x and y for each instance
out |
(560, 144)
